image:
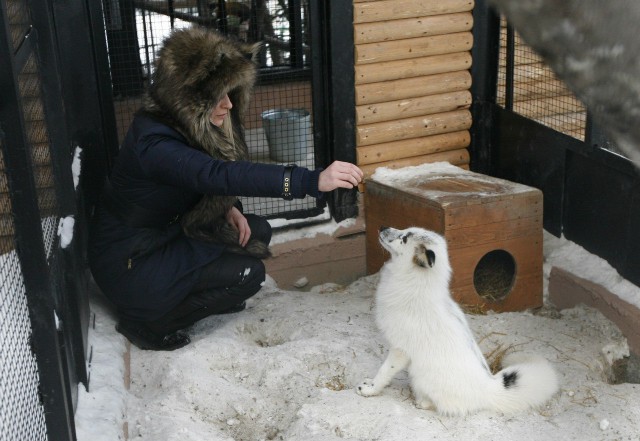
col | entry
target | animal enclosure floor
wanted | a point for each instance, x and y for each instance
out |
(286, 368)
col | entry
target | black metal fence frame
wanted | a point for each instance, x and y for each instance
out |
(76, 94)
(55, 388)
(591, 193)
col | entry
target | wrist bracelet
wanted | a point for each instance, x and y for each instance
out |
(286, 182)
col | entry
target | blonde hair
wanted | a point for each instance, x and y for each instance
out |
(227, 127)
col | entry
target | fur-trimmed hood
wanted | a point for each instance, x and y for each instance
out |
(195, 68)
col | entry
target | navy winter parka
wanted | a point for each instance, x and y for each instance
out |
(146, 271)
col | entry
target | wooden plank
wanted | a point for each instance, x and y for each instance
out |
(33, 109)
(406, 212)
(573, 124)
(496, 232)
(43, 177)
(509, 207)
(37, 133)
(465, 166)
(413, 127)
(407, 148)
(455, 157)
(40, 156)
(6, 225)
(533, 90)
(522, 55)
(412, 27)
(542, 107)
(412, 87)
(412, 67)
(5, 203)
(46, 201)
(413, 47)
(516, 36)
(405, 108)
(530, 72)
(6, 244)
(567, 290)
(397, 9)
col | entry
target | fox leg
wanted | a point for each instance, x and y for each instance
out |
(395, 362)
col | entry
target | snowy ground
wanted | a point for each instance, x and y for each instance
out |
(286, 368)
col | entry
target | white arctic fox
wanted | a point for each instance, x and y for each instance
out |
(428, 334)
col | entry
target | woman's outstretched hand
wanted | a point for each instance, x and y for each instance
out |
(339, 175)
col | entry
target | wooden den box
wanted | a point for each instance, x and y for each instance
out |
(493, 229)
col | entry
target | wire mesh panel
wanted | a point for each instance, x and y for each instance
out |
(279, 121)
(39, 143)
(529, 87)
(37, 380)
(21, 413)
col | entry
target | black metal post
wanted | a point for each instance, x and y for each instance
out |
(334, 91)
(71, 301)
(295, 34)
(319, 82)
(222, 17)
(485, 53)
(595, 137)
(126, 68)
(254, 34)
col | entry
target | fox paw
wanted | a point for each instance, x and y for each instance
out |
(367, 388)
(425, 404)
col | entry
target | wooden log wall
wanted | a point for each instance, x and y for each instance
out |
(538, 94)
(412, 81)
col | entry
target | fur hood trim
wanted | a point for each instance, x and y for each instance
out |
(195, 68)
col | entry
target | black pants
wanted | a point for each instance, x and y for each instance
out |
(224, 283)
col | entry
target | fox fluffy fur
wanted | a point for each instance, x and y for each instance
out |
(194, 70)
(429, 335)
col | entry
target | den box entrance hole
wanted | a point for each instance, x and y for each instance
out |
(494, 275)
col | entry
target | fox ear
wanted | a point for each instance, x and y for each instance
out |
(424, 257)
(431, 258)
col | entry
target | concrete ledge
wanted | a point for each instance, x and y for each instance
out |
(567, 290)
(338, 258)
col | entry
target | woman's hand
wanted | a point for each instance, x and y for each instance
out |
(237, 220)
(339, 175)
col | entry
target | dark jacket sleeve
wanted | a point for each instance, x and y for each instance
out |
(164, 156)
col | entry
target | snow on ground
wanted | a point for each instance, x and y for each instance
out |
(286, 368)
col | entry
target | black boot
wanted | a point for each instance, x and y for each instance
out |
(145, 338)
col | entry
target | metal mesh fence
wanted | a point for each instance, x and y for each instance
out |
(529, 87)
(7, 227)
(39, 145)
(21, 410)
(279, 121)
(18, 14)
(21, 413)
